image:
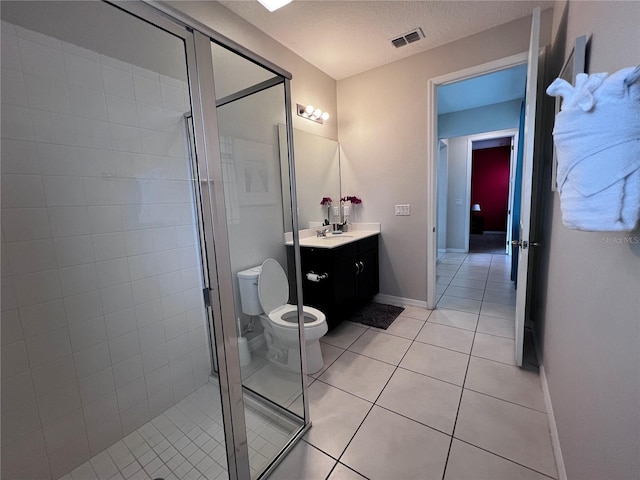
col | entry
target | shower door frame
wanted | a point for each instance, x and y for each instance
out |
(197, 38)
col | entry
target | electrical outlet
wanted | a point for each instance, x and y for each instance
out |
(336, 211)
(403, 210)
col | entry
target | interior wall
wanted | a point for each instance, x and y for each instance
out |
(588, 326)
(383, 123)
(457, 182)
(500, 116)
(490, 185)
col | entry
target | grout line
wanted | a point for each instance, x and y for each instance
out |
(505, 458)
(455, 422)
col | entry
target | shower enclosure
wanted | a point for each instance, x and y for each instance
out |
(140, 173)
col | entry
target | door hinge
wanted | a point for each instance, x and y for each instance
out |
(206, 295)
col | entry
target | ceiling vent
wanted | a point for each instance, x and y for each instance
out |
(406, 38)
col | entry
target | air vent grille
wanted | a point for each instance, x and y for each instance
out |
(412, 37)
(399, 42)
(408, 37)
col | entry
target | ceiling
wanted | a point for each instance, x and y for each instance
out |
(344, 38)
(497, 87)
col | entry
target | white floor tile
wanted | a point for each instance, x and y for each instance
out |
(468, 462)
(275, 383)
(498, 310)
(304, 461)
(359, 375)
(494, 286)
(416, 312)
(344, 334)
(454, 318)
(506, 382)
(342, 472)
(466, 282)
(336, 415)
(383, 347)
(471, 275)
(501, 327)
(460, 304)
(423, 399)
(464, 292)
(447, 270)
(511, 431)
(405, 327)
(495, 348)
(436, 362)
(389, 446)
(508, 297)
(444, 336)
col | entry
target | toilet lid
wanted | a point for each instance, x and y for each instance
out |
(273, 287)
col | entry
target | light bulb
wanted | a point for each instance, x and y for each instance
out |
(325, 116)
(317, 113)
(309, 110)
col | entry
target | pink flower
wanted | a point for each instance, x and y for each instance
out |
(326, 201)
(351, 198)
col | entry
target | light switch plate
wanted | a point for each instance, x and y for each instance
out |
(403, 210)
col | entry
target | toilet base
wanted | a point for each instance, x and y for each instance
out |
(289, 358)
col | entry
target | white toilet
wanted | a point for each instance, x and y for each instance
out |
(264, 291)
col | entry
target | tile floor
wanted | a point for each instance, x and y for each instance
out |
(186, 443)
(435, 396)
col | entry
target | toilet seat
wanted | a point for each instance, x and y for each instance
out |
(273, 293)
(286, 316)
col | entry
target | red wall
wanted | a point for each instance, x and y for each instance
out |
(490, 185)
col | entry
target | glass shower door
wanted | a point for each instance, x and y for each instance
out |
(251, 103)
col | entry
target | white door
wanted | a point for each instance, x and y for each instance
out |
(527, 174)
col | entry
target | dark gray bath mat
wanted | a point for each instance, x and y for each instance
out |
(377, 315)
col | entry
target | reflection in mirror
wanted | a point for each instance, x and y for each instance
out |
(317, 176)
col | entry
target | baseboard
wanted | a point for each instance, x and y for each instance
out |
(456, 250)
(399, 301)
(553, 429)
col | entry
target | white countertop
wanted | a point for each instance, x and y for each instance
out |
(308, 237)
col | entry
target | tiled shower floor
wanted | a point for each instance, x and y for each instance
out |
(186, 442)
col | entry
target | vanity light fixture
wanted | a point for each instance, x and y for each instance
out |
(273, 5)
(311, 113)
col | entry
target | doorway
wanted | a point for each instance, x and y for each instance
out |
(459, 197)
(491, 195)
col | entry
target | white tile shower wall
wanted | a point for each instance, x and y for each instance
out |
(103, 324)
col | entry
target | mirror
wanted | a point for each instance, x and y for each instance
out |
(317, 161)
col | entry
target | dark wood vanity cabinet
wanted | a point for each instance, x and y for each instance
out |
(352, 277)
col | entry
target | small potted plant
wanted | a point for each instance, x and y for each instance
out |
(326, 201)
(346, 207)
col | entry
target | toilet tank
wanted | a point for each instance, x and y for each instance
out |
(248, 281)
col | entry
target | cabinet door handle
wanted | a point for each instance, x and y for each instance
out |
(357, 268)
(361, 267)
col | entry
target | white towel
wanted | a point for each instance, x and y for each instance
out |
(597, 138)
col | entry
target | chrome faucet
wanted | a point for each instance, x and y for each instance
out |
(322, 233)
